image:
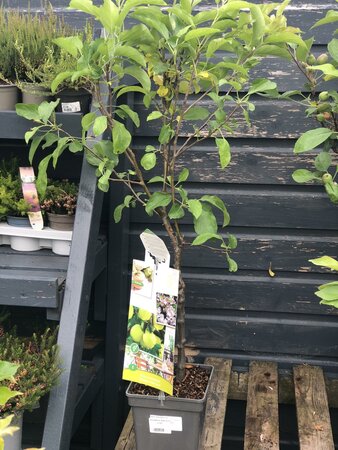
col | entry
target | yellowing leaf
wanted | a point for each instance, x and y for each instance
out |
(162, 91)
(271, 273)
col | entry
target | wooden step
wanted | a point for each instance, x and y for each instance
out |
(261, 424)
(314, 427)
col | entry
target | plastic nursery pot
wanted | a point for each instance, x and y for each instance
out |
(172, 423)
(9, 96)
(74, 101)
(61, 221)
(35, 94)
(18, 221)
(13, 442)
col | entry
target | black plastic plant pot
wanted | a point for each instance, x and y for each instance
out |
(167, 423)
(74, 101)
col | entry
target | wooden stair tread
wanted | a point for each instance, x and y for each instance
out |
(314, 427)
(261, 424)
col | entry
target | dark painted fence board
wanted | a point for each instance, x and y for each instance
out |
(252, 333)
(253, 207)
(271, 119)
(291, 293)
(286, 252)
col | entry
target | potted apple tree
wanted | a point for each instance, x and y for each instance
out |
(192, 95)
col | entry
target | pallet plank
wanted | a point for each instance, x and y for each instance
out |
(127, 437)
(261, 425)
(313, 416)
(211, 438)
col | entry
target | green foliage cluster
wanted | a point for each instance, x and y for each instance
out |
(60, 197)
(12, 202)
(9, 58)
(171, 51)
(38, 368)
(323, 107)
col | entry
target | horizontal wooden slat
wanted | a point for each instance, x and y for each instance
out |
(43, 260)
(269, 120)
(256, 162)
(273, 333)
(288, 252)
(314, 427)
(261, 424)
(248, 207)
(250, 292)
(215, 410)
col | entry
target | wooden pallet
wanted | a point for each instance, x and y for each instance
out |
(261, 423)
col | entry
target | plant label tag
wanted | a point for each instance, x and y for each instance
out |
(150, 343)
(71, 107)
(30, 194)
(164, 424)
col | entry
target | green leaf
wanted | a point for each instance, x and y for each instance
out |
(183, 176)
(41, 181)
(303, 176)
(83, 5)
(154, 115)
(272, 50)
(50, 139)
(333, 49)
(45, 109)
(71, 44)
(140, 75)
(88, 120)
(258, 26)
(261, 85)
(200, 32)
(196, 113)
(6, 394)
(75, 147)
(100, 125)
(127, 89)
(202, 238)
(59, 79)
(103, 181)
(29, 134)
(130, 113)
(328, 69)
(224, 152)
(285, 37)
(148, 161)
(214, 45)
(325, 261)
(157, 200)
(311, 139)
(8, 370)
(166, 134)
(108, 14)
(61, 146)
(29, 112)
(131, 53)
(118, 212)
(195, 208)
(156, 179)
(323, 161)
(233, 267)
(176, 212)
(219, 204)
(121, 137)
(152, 23)
(331, 17)
(206, 222)
(328, 293)
(232, 241)
(34, 146)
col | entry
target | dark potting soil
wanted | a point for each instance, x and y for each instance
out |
(193, 385)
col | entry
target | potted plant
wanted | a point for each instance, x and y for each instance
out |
(38, 54)
(37, 372)
(13, 207)
(171, 52)
(9, 62)
(59, 203)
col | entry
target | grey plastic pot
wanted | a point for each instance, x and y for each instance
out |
(18, 221)
(35, 94)
(169, 424)
(63, 222)
(14, 442)
(9, 96)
